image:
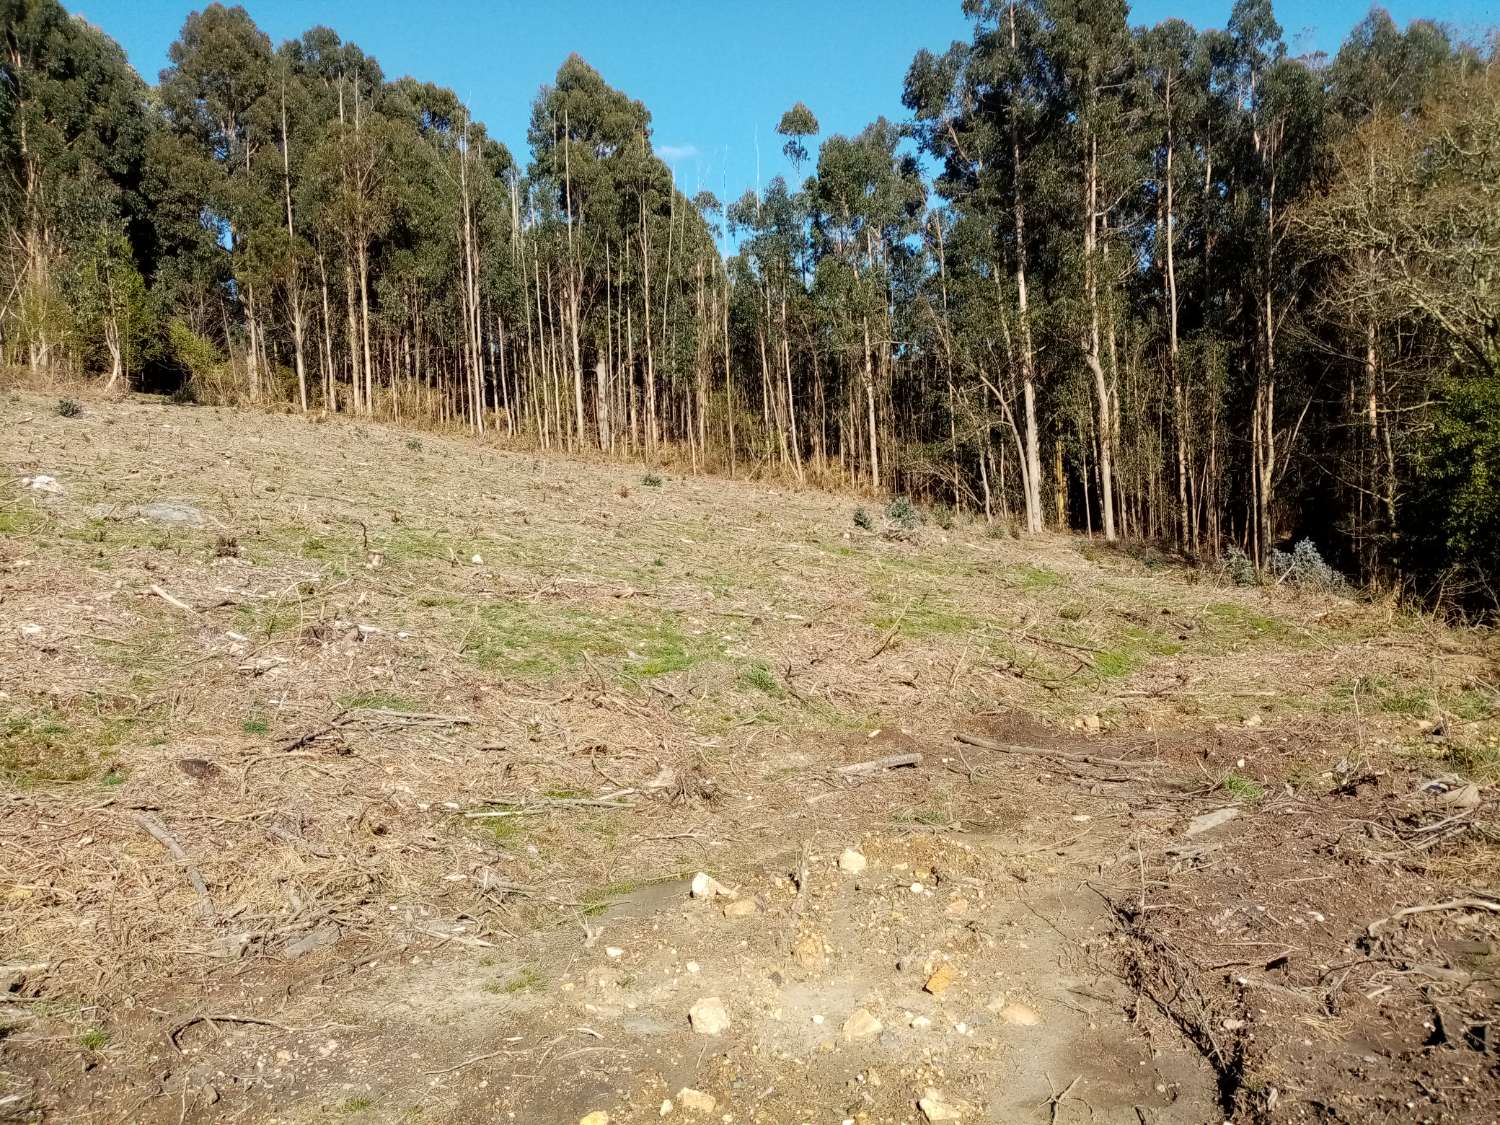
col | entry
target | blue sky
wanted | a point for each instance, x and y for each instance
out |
(716, 76)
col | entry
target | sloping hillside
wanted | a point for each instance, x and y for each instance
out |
(350, 775)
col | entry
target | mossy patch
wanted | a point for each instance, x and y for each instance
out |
(531, 640)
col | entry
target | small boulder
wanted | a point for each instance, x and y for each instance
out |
(696, 1101)
(1019, 1015)
(852, 862)
(709, 1016)
(706, 886)
(598, 1117)
(935, 1107)
(861, 1024)
(940, 979)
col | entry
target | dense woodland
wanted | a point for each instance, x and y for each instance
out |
(1156, 283)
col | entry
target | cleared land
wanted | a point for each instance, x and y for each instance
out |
(347, 775)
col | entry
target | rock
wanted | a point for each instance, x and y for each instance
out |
(598, 1117)
(613, 952)
(709, 1016)
(696, 1101)
(171, 511)
(861, 1024)
(325, 935)
(852, 862)
(940, 979)
(706, 886)
(957, 907)
(920, 1023)
(1210, 820)
(808, 951)
(666, 1108)
(1253, 721)
(1464, 797)
(42, 483)
(935, 1107)
(1019, 1015)
(1091, 722)
(740, 908)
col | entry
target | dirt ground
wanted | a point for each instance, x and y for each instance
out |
(351, 775)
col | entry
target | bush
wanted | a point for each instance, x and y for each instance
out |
(651, 480)
(1237, 567)
(903, 513)
(862, 520)
(69, 408)
(1304, 568)
(185, 394)
(414, 444)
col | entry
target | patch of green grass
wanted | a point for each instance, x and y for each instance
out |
(410, 544)
(1131, 649)
(1233, 622)
(1404, 701)
(377, 700)
(255, 725)
(528, 979)
(44, 750)
(1243, 788)
(52, 748)
(21, 521)
(265, 619)
(357, 1104)
(759, 676)
(503, 829)
(93, 1039)
(1033, 579)
(1477, 760)
(533, 640)
(926, 616)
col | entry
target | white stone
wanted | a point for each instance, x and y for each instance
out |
(709, 1016)
(851, 862)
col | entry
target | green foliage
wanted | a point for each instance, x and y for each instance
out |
(903, 513)
(68, 408)
(1238, 567)
(651, 480)
(760, 677)
(862, 520)
(1243, 788)
(1304, 567)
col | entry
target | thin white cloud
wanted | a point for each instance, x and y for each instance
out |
(676, 152)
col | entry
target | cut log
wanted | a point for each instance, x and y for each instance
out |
(879, 765)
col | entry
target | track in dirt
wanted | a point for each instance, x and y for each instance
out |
(337, 765)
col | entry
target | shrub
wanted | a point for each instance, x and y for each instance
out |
(862, 520)
(414, 444)
(651, 480)
(903, 513)
(69, 408)
(1237, 567)
(185, 394)
(1304, 568)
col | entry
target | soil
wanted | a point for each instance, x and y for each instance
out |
(436, 736)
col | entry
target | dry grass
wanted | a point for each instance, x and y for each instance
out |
(407, 634)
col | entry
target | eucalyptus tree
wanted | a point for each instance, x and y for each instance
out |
(74, 130)
(980, 113)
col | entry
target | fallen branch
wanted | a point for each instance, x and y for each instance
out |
(1427, 908)
(406, 716)
(159, 832)
(177, 603)
(212, 1018)
(879, 765)
(1061, 755)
